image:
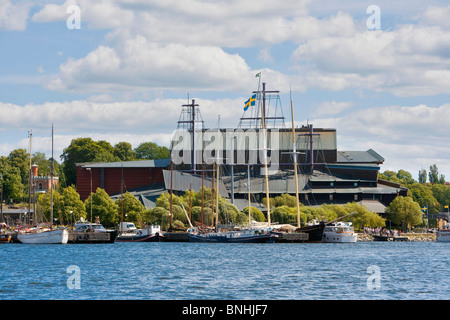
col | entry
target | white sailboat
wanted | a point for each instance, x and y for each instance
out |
(44, 235)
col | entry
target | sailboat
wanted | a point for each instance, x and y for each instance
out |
(43, 235)
(238, 235)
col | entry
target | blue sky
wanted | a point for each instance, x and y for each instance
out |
(124, 74)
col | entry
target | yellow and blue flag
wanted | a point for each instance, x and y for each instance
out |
(258, 75)
(250, 102)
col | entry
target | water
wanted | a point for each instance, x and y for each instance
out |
(191, 271)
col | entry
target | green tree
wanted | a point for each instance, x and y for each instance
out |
(133, 209)
(433, 175)
(151, 151)
(423, 195)
(84, 150)
(20, 159)
(103, 207)
(422, 176)
(257, 214)
(405, 211)
(124, 151)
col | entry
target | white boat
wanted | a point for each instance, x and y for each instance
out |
(443, 235)
(129, 233)
(339, 232)
(86, 232)
(40, 235)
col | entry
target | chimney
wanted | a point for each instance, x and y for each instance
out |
(34, 170)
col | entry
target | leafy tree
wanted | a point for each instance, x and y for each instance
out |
(404, 211)
(133, 209)
(363, 216)
(85, 150)
(257, 214)
(13, 188)
(103, 207)
(20, 159)
(422, 176)
(441, 193)
(423, 195)
(124, 151)
(433, 175)
(150, 150)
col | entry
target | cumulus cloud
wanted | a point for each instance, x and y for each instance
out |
(412, 60)
(408, 137)
(13, 16)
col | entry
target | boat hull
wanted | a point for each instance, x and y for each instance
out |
(92, 237)
(443, 236)
(5, 238)
(262, 238)
(144, 238)
(342, 238)
(315, 232)
(59, 236)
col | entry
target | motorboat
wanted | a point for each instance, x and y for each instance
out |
(443, 235)
(339, 232)
(129, 233)
(86, 232)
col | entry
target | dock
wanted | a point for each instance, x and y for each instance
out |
(389, 238)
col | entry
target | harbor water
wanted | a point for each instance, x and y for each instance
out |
(199, 271)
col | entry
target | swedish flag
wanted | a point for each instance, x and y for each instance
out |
(250, 102)
(258, 75)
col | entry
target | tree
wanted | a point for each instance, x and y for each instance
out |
(124, 151)
(133, 209)
(422, 176)
(151, 151)
(433, 175)
(404, 211)
(103, 207)
(423, 195)
(84, 150)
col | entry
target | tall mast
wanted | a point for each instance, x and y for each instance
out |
(171, 194)
(263, 123)
(30, 182)
(203, 191)
(212, 195)
(295, 165)
(249, 200)
(217, 195)
(51, 185)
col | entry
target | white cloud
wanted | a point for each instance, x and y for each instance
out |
(407, 137)
(330, 108)
(412, 60)
(14, 16)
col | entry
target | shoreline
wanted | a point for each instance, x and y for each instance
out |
(419, 237)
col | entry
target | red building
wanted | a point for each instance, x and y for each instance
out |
(108, 176)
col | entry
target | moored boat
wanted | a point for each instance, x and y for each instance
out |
(443, 235)
(150, 233)
(86, 232)
(245, 235)
(339, 232)
(43, 235)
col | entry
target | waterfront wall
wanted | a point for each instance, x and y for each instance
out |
(411, 237)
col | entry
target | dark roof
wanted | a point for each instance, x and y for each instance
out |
(160, 163)
(369, 156)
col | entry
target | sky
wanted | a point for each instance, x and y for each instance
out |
(376, 71)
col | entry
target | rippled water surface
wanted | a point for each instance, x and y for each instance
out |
(187, 271)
